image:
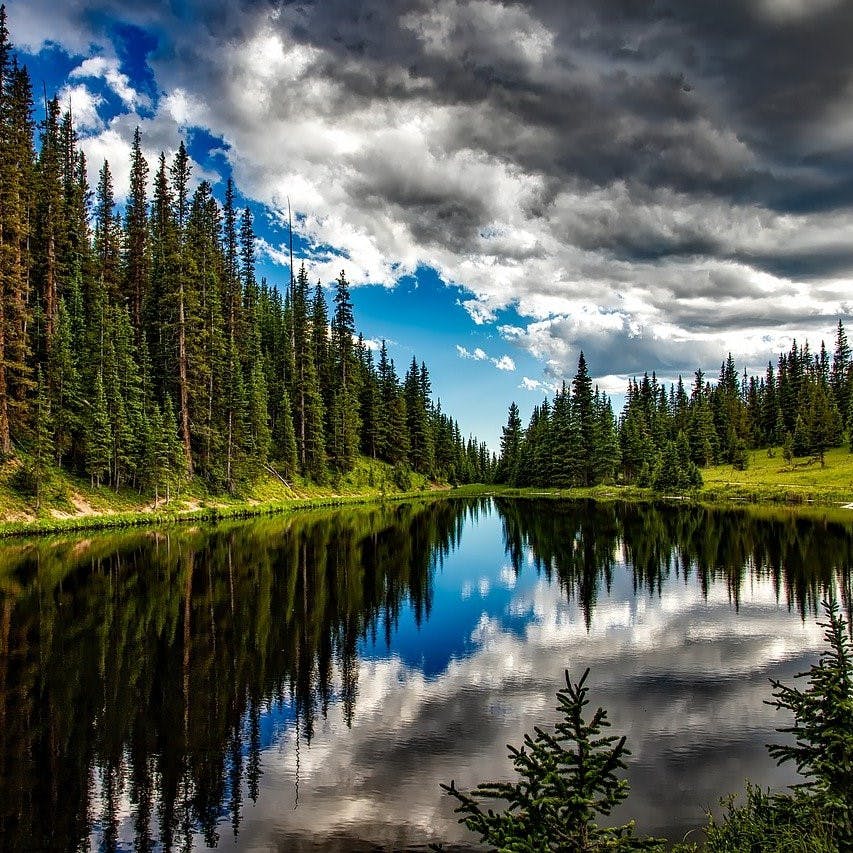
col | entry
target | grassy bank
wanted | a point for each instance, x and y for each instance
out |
(769, 483)
(772, 479)
(70, 503)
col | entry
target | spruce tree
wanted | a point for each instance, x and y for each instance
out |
(606, 451)
(99, 434)
(344, 421)
(284, 440)
(258, 444)
(42, 448)
(16, 193)
(566, 781)
(584, 418)
(137, 268)
(511, 437)
(180, 176)
(63, 384)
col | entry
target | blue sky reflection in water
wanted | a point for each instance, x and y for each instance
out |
(683, 673)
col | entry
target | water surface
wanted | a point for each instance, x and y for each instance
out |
(305, 682)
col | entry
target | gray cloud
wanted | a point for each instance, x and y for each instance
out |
(681, 166)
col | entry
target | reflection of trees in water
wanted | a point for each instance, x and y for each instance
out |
(579, 543)
(138, 666)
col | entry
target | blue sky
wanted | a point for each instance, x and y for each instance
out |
(418, 316)
(505, 184)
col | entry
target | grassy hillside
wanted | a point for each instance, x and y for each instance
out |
(773, 479)
(68, 502)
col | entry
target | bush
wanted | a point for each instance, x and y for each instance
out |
(816, 815)
(402, 477)
(768, 824)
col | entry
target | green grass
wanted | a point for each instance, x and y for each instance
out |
(71, 503)
(773, 479)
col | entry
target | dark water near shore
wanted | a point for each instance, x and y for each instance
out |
(306, 682)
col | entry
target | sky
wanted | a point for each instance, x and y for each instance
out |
(654, 182)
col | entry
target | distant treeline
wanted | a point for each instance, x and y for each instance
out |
(803, 406)
(138, 348)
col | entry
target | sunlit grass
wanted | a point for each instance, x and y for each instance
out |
(772, 478)
(71, 503)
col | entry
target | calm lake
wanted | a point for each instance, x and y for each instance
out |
(306, 682)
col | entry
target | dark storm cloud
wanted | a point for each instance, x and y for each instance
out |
(657, 69)
(638, 156)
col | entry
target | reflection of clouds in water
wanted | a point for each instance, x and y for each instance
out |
(683, 676)
(508, 578)
(484, 586)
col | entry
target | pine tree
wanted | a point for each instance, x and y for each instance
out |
(180, 175)
(42, 448)
(307, 400)
(258, 444)
(107, 235)
(345, 423)
(99, 435)
(63, 384)
(823, 421)
(172, 449)
(48, 228)
(137, 268)
(584, 417)
(606, 451)
(16, 191)
(510, 446)
(567, 780)
(285, 440)
(821, 739)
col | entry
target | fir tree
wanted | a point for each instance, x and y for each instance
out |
(821, 743)
(285, 440)
(567, 780)
(42, 448)
(137, 268)
(99, 434)
(510, 446)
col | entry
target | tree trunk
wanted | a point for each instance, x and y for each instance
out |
(182, 382)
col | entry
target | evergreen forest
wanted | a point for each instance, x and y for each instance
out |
(800, 409)
(138, 348)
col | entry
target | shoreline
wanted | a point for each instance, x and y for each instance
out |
(819, 503)
(206, 514)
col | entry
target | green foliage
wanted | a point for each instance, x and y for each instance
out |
(163, 301)
(401, 475)
(788, 448)
(568, 779)
(768, 824)
(822, 733)
(677, 471)
(739, 455)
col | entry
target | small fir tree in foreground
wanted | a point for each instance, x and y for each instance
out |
(567, 780)
(822, 749)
